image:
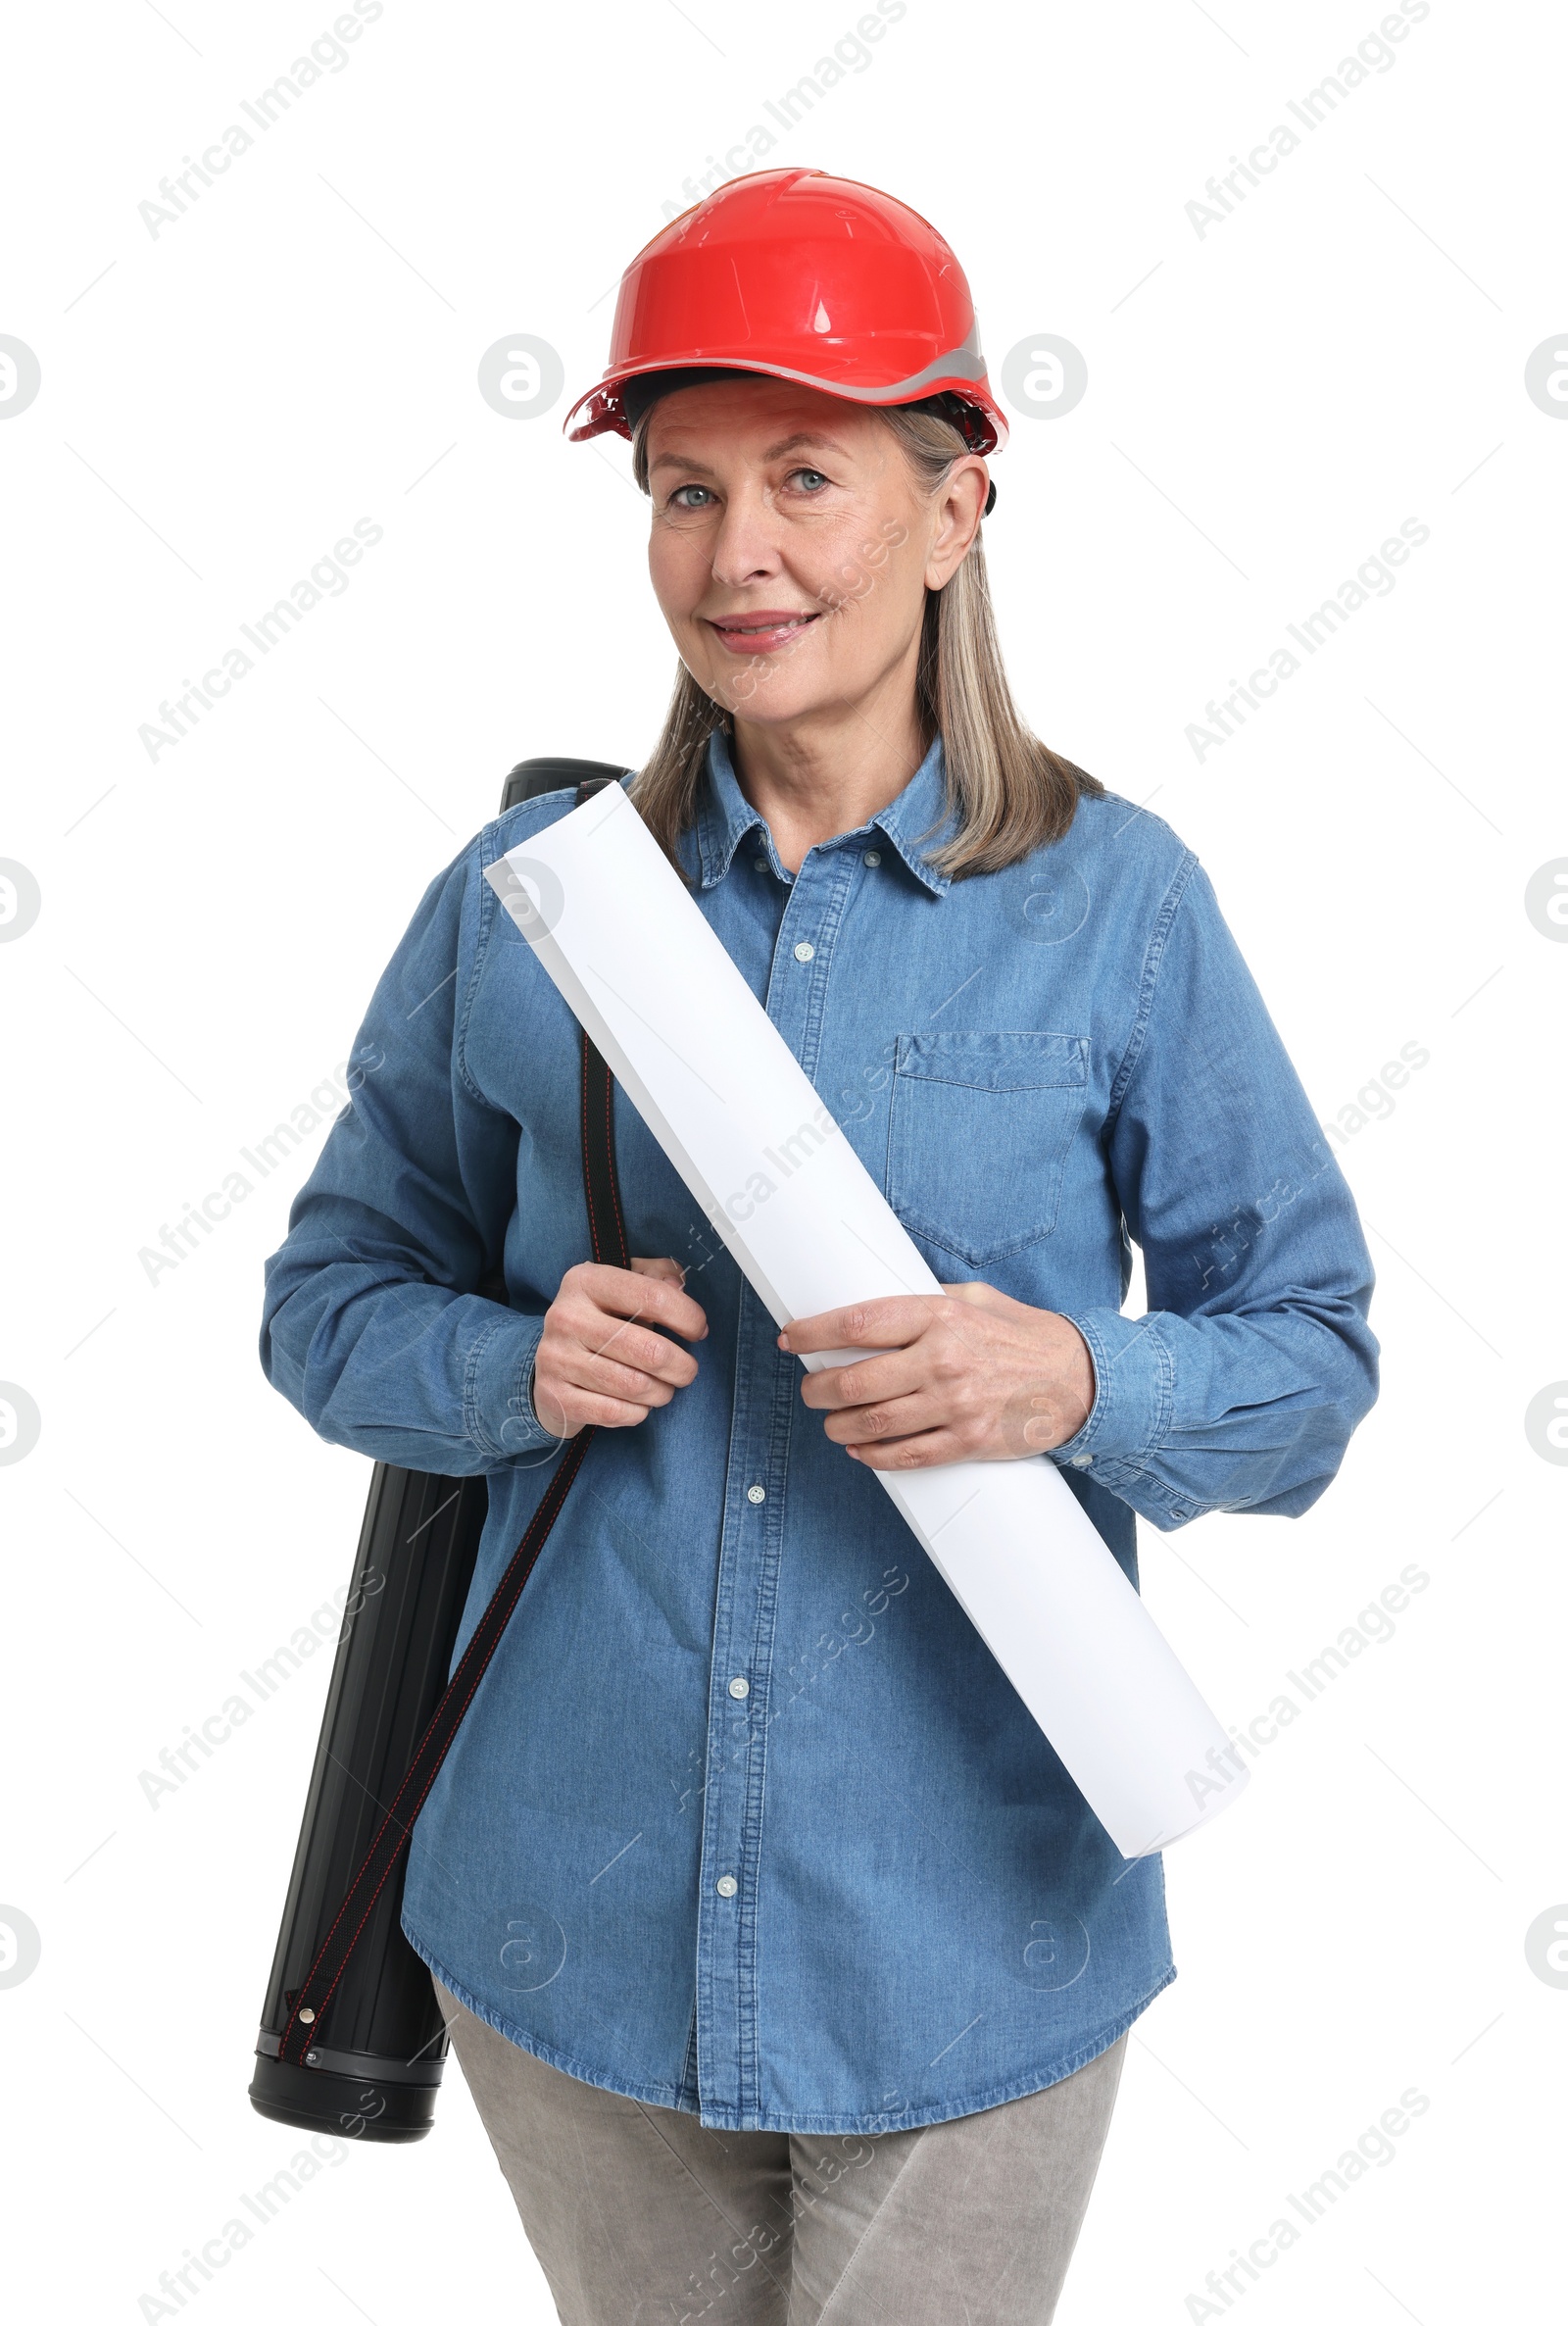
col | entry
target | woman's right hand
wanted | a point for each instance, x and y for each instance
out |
(603, 1357)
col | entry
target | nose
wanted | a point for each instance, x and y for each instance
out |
(745, 548)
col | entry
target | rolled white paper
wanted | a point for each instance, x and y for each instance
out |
(714, 1079)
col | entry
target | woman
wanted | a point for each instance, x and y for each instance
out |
(790, 1973)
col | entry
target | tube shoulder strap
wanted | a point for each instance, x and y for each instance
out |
(607, 1229)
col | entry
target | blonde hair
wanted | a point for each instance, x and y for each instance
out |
(1012, 792)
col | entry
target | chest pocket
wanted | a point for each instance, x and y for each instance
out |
(978, 1137)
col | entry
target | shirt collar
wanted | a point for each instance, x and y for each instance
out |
(917, 820)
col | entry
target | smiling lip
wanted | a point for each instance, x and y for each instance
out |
(761, 632)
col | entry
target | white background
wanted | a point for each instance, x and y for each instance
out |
(1266, 403)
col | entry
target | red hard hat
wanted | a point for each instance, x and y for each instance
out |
(808, 277)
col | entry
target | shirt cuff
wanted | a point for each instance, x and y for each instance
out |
(499, 1414)
(1133, 1396)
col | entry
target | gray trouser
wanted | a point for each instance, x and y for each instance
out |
(643, 2217)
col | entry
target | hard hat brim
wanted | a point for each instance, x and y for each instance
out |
(602, 410)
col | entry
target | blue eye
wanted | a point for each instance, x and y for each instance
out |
(810, 480)
(676, 500)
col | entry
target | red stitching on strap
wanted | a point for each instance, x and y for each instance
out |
(547, 1512)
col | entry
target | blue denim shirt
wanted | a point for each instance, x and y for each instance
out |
(745, 1820)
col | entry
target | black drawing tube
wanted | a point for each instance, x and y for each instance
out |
(377, 2077)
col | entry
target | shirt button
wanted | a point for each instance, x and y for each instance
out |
(804, 952)
(740, 1686)
(726, 1885)
(761, 862)
(1081, 1462)
(872, 856)
(757, 1494)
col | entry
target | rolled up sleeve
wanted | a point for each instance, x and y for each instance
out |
(1240, 1388)
(373, 1326)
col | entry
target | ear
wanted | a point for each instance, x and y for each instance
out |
(955, 517)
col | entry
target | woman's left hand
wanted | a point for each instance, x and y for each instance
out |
(970, 1376)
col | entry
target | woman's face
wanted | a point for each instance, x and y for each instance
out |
(791, 547)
